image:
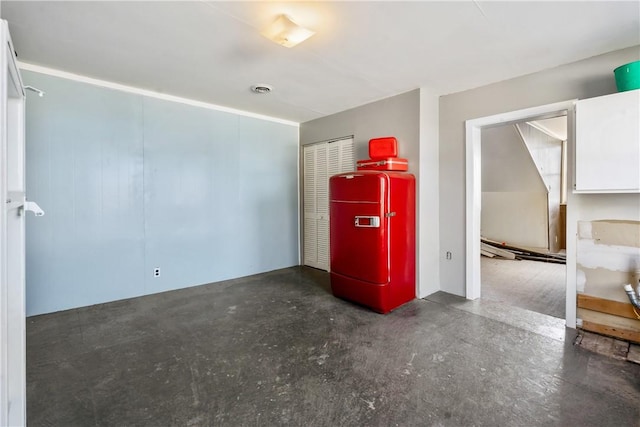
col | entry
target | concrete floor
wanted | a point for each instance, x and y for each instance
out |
(533, 285)
(278, 348)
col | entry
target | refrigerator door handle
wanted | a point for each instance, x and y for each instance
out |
(367, 221)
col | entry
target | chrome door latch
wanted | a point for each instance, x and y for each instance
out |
(367, 221)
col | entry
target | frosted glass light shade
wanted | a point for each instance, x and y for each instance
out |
(286, 32)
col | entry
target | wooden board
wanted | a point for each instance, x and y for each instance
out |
(519, 249)
(541, 259)
(496, 251)
(602, 305)
(625, 334)
(562, 227)
(487, 254)
(608, 346)
(611, 325)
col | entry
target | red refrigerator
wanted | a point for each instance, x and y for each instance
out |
(372, 238)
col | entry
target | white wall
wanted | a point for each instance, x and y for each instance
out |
(516, 217)
(583, 79)
(546, 152)
(411, 117)
(429, 196)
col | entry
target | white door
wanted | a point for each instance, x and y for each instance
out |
(12, 240)
(320, 162)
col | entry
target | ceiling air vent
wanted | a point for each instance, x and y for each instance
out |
(261, 88)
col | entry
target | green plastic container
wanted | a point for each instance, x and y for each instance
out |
(628, 76)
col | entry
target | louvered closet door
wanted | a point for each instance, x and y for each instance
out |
(321, 161)
(310, 254)
(322, 205)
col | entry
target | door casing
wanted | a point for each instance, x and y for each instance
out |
(474, 194)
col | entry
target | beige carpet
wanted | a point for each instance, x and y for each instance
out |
(532, 285)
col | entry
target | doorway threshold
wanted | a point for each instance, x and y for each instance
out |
(541, 324)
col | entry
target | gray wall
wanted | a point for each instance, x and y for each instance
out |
(412, 118)
(396, 116)
(583, 79)
(514, 197)
(506, 162)
(129, 183)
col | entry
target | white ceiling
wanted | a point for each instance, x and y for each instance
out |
(363, 51)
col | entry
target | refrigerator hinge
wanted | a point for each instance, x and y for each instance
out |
(389, 214)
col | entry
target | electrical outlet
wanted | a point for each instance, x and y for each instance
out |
(156, 272)
(448, 255)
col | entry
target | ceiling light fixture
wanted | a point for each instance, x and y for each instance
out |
(261, 88)
(286, 32)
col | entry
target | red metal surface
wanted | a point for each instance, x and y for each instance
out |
(389, 164)
(360, 249)
(382, 148)
(373, 265)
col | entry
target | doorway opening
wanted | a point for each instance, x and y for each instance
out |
(523, 214)
(526, 219)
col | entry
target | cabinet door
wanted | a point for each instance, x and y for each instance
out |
(608, 144)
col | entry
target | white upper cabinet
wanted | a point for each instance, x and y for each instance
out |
(608, 144)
